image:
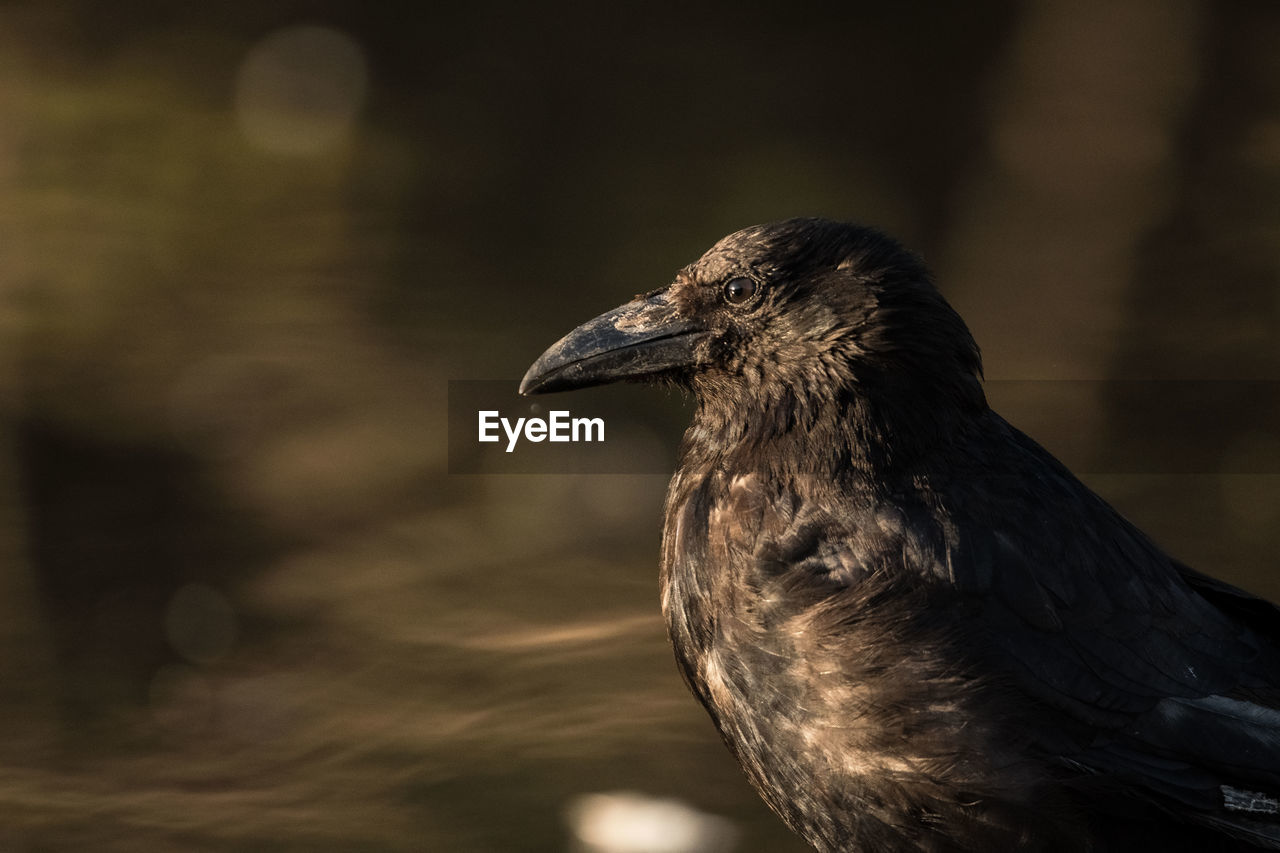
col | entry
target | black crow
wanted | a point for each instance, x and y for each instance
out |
(913, 627)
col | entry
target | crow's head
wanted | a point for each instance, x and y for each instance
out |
(800, 309)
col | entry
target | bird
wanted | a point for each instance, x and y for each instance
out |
(914, 628)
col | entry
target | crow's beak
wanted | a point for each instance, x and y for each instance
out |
(642, 338)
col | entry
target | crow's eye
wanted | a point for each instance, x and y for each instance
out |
(739, 290)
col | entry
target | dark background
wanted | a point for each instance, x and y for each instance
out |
(244, 246)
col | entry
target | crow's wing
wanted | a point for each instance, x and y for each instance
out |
(1258, 614)
(1167, 680)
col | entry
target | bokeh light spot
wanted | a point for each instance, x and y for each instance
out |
(627, 822)
(300, 89)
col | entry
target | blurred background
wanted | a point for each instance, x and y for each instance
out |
(245, 245)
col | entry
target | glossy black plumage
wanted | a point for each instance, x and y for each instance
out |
(914, 628)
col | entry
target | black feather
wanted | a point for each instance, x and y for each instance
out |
(914, 628)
